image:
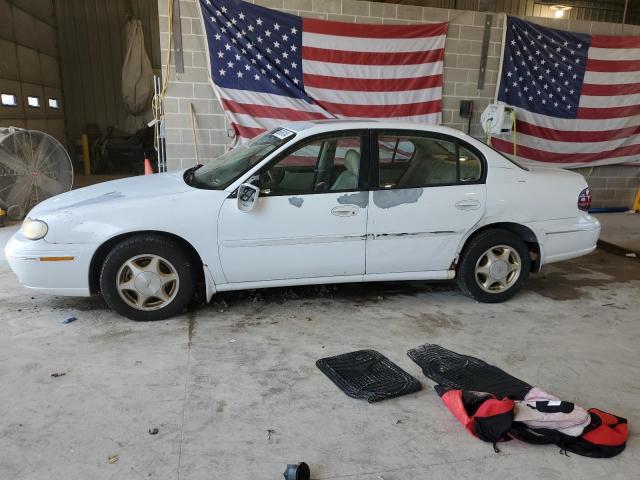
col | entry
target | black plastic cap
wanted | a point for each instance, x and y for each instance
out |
(299, 471)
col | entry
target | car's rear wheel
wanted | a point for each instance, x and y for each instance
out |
(147, 277)
(493, 266)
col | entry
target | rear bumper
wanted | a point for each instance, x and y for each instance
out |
(57, 269)
(566, 239)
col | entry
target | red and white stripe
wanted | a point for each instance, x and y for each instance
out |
(251, 113)
(353, 71)
(375, 71)
(607, 128)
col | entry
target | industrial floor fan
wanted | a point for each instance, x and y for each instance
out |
(33, 167)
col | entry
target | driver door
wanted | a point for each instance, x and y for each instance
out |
(310, 218)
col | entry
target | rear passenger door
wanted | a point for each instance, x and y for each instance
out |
(428, 189)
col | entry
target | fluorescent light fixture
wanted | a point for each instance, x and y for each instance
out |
(9, 100)
(53, 103)
(558, 10)
(33, 102)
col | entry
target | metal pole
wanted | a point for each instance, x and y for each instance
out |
(161, 137)
(488, 19)
(86, 158)
(158, 115)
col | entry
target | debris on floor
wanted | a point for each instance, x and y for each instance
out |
(497, 407)
(269, 433)
(369, 375)
(223, 306)
(69, 320)
(56, 374)
(111, 459)
(153, 431)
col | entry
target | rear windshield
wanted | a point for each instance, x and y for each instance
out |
(517, 164)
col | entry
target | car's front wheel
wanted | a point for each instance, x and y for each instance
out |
(493, 266)
(147, 277)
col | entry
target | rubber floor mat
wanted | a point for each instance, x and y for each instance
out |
(462, 372)
(368, 374)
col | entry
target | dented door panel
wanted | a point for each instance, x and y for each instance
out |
(293, 237)
(419, 229)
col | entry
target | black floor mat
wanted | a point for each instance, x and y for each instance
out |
(368, 374)
(462, 372)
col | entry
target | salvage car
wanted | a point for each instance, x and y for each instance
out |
(309, 203)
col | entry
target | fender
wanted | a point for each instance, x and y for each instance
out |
(524, 231)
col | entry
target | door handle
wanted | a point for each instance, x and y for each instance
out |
(344, 211)
(468, 205)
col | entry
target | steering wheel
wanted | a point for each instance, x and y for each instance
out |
(272, 178)
(322, 186)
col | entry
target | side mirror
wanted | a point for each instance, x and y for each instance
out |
(247, 197)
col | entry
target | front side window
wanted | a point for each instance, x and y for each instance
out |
(225, 169)
(327, 164)
(411, 160)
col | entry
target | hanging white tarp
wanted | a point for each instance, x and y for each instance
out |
(137, 78)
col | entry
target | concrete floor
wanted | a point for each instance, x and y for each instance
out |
(215, 381)
(621, 230)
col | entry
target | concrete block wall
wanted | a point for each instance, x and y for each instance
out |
(612, 185)
(462, 61)
(461, 66)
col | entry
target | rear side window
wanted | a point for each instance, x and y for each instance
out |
(395, 150)
(420, 159)
(470, 165)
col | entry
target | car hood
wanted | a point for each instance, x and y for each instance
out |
(144, 186)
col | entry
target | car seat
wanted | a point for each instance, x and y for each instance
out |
(348, 178)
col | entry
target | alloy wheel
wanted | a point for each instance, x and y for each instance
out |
(498, 269)
(147, 282)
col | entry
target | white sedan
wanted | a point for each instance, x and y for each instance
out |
(309, 203)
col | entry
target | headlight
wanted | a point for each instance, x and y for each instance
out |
(34, 229)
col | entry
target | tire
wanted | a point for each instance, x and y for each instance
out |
(148, 277)
(484, 261)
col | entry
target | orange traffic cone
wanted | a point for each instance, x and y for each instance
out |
(148, 170)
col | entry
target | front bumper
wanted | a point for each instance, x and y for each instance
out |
(57, 269)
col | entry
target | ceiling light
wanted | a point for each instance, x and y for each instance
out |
(558, 10)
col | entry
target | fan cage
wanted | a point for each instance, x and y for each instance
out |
(34, 166)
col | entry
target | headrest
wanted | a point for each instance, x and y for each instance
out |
(352, 161)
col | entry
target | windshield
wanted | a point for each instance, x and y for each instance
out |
(225, 169)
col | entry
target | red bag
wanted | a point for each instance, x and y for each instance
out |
(482, 414)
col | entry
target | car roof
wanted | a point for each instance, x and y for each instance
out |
(332, 125)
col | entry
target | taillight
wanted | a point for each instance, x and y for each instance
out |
(584, 200)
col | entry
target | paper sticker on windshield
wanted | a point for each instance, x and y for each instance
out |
(282, 133)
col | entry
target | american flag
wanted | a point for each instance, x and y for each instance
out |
(270, 67)
(577, 96)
